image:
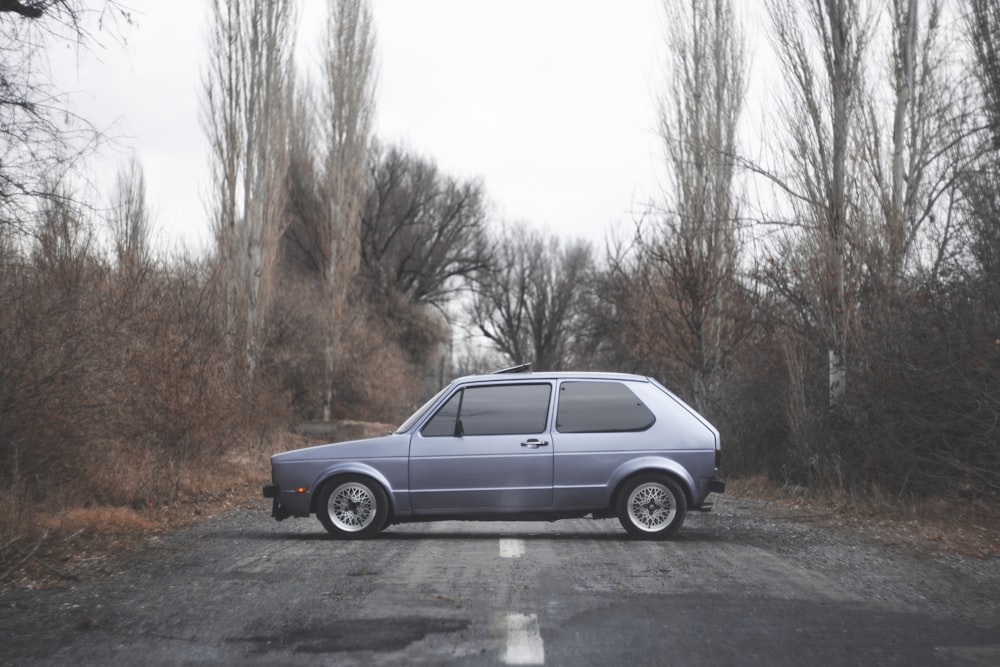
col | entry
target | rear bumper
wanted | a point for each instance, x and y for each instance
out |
(716, 486)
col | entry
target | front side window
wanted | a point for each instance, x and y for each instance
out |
(415, 417)
(600, 407)
(493, 410)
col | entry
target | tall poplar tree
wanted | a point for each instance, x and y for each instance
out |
(822, 47)
(347, 110)
(245, 111)
(692, 253)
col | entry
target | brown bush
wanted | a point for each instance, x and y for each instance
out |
(388, 358)
(377, 381)
(114, 384)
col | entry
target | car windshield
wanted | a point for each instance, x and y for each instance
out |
(415, 417)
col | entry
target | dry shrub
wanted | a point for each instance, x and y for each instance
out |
(293, 355)
(918, 425)
(18, 518)
(924, 417)
(749, 409)
(122, 473)
(138, 475)
(214, 477)
(114, 385)
(386, 351)
(376, 382)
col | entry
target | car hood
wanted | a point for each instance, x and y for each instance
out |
(381, 447)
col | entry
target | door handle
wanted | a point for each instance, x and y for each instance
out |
(534, 443)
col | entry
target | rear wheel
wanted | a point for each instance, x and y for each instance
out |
(651, 507)
(352, 507)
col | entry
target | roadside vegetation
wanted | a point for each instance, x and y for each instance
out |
(841, 327)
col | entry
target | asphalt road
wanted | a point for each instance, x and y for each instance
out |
(744, 585)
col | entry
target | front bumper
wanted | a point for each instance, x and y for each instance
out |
(278, 510)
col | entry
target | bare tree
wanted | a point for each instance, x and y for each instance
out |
(245, 114)
(69, 13)
(528, 304)
(64, 239)
(49, 311)
(822, 47)
(692, 250)
(347, 103)
(129, 219)
(28, 11)
(905, 23)
(981, 183)
(41, 137)
(422, 231)
(983, 20)
(910, 156)
(303, 252)
(609, 337)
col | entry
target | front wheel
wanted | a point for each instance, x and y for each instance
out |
(651, 507)
(352, 507)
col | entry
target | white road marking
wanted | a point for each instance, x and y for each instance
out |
(511, 548)
(524, 642)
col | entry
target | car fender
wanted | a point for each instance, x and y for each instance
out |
(652, 464)
(352, 468)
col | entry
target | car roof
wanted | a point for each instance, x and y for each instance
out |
(549, 375)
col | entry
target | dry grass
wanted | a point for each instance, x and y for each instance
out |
(95, 520)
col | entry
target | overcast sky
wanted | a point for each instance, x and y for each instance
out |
(550, 103)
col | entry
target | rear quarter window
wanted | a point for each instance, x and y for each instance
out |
(600, 407)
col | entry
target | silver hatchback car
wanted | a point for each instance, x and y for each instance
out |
(515, 445)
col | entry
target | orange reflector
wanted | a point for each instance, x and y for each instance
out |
(301, 489)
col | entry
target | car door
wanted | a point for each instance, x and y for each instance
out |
(486, 449)
(599, 426)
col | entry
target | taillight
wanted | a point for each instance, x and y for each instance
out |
(718, 457)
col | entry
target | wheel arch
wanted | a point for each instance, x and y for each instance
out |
(658, 466)
(335, 472)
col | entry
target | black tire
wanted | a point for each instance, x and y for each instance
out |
(352, 507)
(651, 506)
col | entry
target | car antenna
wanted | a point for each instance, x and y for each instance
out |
(520, 368)
(639, 363)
